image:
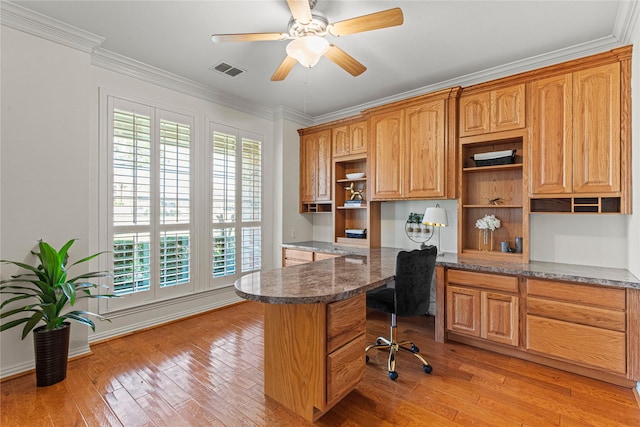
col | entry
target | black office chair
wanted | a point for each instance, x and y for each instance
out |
(409, 297)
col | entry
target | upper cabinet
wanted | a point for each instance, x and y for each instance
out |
(492, 111)
(349, 139)
(575, 119)
(315, 171)
(580, 140)
(412, 151)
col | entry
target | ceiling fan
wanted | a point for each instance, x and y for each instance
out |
(307, 30)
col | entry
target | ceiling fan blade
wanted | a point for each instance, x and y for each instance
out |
(248, 37)
(344, 60)
(300, 10)
(373, 21)
(284, 69)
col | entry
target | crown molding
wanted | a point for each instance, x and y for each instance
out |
(626, 20)
(138, 70)
(555, 57)
(39, 25)
(286, 113)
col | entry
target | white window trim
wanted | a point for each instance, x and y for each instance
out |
(105, 212)
(213, 126)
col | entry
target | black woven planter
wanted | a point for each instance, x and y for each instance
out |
(52, 350)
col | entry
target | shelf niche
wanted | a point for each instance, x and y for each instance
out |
(366, 216)
(493, 190)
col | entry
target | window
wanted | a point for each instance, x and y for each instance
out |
(151, 202)
(236, 196)
(181, 217)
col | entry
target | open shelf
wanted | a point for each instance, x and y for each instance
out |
(493, 190)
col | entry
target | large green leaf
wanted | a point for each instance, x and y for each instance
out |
(31, 323)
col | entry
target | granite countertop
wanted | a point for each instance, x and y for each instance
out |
(321, 281)
(616, 277)
(361, 269)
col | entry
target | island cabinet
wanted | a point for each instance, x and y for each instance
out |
(492, 111)
(580, 139)
(314, 353)
(315, 171)
(586, 328)
(412, 147)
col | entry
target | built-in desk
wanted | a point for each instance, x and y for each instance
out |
(314, 327)
(578, 318)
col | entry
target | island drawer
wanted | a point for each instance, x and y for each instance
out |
(295, 255)
(345, 368)
(483, 280)
(346, 320)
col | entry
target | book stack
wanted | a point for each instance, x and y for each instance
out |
(352, 203)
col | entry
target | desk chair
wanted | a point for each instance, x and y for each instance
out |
(409, 297)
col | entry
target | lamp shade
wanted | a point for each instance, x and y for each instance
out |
(435, 216)
(308, 50)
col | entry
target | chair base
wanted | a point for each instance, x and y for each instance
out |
(394, 347)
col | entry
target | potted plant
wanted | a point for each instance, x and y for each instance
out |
(48, 291)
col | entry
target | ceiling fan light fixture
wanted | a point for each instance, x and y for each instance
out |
(307, 50)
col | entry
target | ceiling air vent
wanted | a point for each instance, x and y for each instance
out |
(227, 69)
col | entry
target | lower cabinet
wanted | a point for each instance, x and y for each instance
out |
(576, 323)
(583, 328)
(483, 305)
(298, 256)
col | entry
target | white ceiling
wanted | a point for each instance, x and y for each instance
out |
(441, 43)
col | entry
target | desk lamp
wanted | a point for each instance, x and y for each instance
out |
(436, 217)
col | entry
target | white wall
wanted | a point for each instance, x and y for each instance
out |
(49, 172)
(46, 112)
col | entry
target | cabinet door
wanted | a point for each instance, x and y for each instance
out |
(308, 168)
(475, 114)
(323, 181)
(596, 129)
(358, 137)
(425, 150)
(387, 154)
(507, 108)
(463, 310)
(499, 318)
(340, 140)
(551, 147)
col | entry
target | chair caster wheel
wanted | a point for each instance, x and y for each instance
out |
(427, 369)
(366, 359)
(414, 348)
(378, 342)
(393, 375)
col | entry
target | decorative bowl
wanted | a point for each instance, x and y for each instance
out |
(357, 175)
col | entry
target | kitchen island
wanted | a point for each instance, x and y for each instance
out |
(314, 327)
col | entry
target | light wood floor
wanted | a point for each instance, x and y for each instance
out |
(207, 371)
